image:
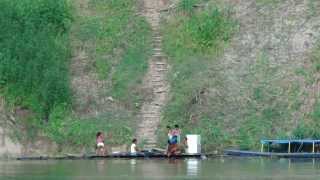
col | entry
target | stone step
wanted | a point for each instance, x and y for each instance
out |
(151, 142)
(151, 107)
(157, 49)
(156, 91)
(157, 46)
(150, 116)
(160, 90)
(159, 55)
(157, 81)
(148, 133)
(158, 84)
(157, 37)
(159, 41)
(158, 67)
(151, 112)
(161, 70)
(149, 130)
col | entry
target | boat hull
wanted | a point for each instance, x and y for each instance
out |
(270, 154)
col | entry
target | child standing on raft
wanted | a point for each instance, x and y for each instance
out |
(100, 147)
(134, 149)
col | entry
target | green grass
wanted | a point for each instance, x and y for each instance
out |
(67, 130)
(34, 54)
(204, 32)
(312, 8)
(261, 106)
(34, 65)
(118, 42)
(187, 6)
(315, 59)
(122, 41)
(309, 126)
(194, 40)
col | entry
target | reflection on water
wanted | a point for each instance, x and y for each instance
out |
(173, 169)
(192, 167)
(101, 165)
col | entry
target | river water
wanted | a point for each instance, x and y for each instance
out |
(217, 168)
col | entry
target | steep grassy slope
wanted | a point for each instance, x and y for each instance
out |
(99, 91)
(35, 50)
(111, 43)
(261, 85)
(240, 70)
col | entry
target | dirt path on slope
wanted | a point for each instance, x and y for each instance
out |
(155, 79)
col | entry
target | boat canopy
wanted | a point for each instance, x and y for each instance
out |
(287, 141)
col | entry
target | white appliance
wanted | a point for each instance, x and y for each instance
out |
(194, 144)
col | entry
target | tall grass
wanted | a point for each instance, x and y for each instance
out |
(34, 53)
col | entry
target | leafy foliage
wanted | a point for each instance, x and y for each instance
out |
(203, 32)
(34, 53)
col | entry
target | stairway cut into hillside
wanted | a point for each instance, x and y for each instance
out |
(150, 114)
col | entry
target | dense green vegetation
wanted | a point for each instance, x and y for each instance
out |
(34, 53)
(34, 65)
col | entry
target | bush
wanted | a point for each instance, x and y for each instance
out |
(34, 53)
(187, 6)
(204, 32)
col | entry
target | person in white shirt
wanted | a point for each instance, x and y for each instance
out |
(134, 149)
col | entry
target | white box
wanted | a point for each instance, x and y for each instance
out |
(194, 144)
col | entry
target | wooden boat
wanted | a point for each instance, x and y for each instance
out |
(305, 148)
(112, 156)
(270, 154)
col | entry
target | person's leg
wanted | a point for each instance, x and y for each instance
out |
(174, 149)
(169, 150)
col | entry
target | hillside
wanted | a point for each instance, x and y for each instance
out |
(238, 71)
(251, 74)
